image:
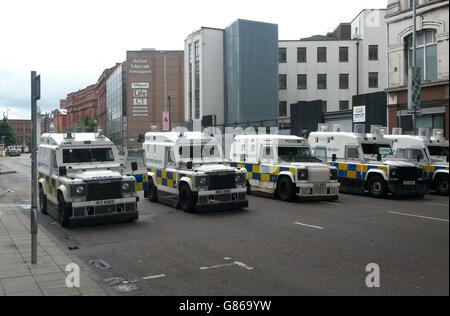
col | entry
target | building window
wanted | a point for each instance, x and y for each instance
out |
(343, 105)
(301, 54)
(373, 79)
(282, 109)
(343, 81)
(282, 55)
(411, 3)
(321, 81)
(426, 54)
(373, 52)
(324, 106)
(190, 83)
(282, 82)
(302, 82)
(197, 80)
(321, 54)
(343, 54)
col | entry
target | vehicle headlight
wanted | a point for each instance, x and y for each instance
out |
(77, 190)
(127, 186)
(333, 174)
(394, 173)
(303, 174)
(240, 178)
(202, 181)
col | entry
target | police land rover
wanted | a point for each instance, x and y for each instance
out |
(187, 170)
(427, 151)
(80, 180)
(365, 162)
(282, 166)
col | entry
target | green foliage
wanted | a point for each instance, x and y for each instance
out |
(90, 124)
(7, 133)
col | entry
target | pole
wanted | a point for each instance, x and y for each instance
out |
(34, 213)
(413, 62)
(165, 81)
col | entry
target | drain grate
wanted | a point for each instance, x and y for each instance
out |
(125, 288)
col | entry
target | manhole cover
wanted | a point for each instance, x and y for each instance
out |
(99, 264)
(125, 288)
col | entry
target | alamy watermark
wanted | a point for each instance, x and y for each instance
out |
(73, 278)
(373, 278)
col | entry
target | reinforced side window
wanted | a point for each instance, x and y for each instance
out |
(401, 154)
(352, 153)
(267, 153)
(321, 153)
(53, 160)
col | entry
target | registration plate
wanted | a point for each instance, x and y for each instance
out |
(409, 182)
(104, 202)
(223, 192)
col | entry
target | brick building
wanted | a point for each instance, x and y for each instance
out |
(22, 129)
(79, 105)
(59, 120)
(101, 100)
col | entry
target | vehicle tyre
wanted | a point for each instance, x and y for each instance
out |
(441, 184)
(187, 201)
(42, 201)
(152, 191)
(286, 189)
(63, 212)
(377, 187)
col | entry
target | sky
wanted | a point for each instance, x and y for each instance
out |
(70, 42)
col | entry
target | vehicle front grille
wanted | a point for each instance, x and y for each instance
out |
(407, 173)
(103, 190)
(222, 181)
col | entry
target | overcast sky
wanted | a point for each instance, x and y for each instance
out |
(70, 42)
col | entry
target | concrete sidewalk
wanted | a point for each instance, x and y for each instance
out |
(18, 277)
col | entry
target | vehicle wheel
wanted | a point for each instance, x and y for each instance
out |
(187, 202)
(377, 187)
(286, 189)
(152, 191)
(42, 201)
(441, 184)
(63, 212)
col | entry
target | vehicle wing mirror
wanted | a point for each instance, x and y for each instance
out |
(418, 158)
(333, 157)
(189, 165)
(62, 171)
(379, 157)
(134, 166)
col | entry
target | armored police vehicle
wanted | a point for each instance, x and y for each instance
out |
(365, 162)
(187, 171)
(80, 180)
(426, 151)
(283, 167)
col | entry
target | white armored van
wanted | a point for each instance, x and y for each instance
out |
(430, 152)
(282, 166)
(365, 162)
(187, 170)
(80, 180)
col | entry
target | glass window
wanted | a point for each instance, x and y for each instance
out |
(343, 81)
(282, 83)
(426, 54)
(321, 54)
(282, 108)
(352, 153)
(302, 82)
(321, 81)
(373, 52)
(54, 160)
(87, 155)
(376, 149)
(294, 154)
(324, 106)
(373, 79)
(438, 151)
(343, 54)
(321, 154)
(343, 105)
(301, 54)
(401, 154)
(282, 55)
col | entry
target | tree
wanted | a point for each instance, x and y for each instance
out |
(90, 124)
(7, 133)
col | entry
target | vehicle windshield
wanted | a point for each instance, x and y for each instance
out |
(199, 152)
(438, 151)
(409, 154)
(377, 149)
(295, 154)
(88, 155)
(135, 156)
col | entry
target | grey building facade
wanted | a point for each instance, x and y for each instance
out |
(251, 72)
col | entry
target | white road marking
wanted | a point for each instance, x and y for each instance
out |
(154, 277)
(243, 265)
(331, 203)
(437, 204)
(312, 226)
(418, 216)
(217, 266)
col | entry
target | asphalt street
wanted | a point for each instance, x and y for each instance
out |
(271, 248)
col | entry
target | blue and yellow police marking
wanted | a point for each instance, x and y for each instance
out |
(355, 171)
(264, 173)
(51, 185)
(141, 182)
(163, 177)
(429, 171)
